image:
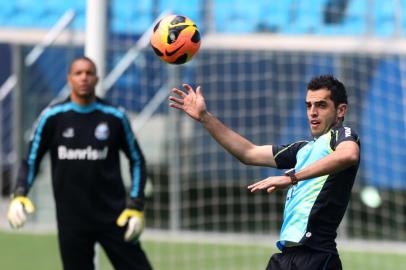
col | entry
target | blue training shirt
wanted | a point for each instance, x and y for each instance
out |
(315, 207)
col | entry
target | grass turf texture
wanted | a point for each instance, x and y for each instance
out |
(20, 251)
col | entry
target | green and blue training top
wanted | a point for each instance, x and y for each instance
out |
(315, 207)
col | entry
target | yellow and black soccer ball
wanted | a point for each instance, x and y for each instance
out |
(175, 39)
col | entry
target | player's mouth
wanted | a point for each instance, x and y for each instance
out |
(314, 123)
(84, 86)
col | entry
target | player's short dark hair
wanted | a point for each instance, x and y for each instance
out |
(329, 82)
(85, 58)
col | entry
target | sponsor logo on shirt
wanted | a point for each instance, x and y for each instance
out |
(347, 131)
(102, 131)
(87, 153)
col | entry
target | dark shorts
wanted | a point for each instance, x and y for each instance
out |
(304, 258)
(77, 248)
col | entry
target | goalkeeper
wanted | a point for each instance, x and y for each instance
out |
(320, 173)
(84, 135)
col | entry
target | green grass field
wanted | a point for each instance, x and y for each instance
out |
(20, 251)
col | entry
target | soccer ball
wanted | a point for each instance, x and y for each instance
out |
(175, 39)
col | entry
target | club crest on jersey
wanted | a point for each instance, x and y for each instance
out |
(68, 133)
(102, 131)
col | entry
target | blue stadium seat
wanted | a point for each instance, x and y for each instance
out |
(20, 13)
(79, 23)
(237, 16)
(385, 18)
(131, 26)
(48, 20)
(275, 15)
(31, 14)
(192, 10)
(21, 19)
(403, 22)
(132, 17)
(383, 127)
(27, 5)
(354, 22)
(6, 8)
(306, 17)
(58, 6)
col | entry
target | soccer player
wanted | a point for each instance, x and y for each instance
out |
(84, 135)
(320, 172)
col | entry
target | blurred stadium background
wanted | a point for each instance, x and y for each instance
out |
(255, 60)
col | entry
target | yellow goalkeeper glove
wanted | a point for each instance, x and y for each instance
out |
(18, 209)
(134, 220)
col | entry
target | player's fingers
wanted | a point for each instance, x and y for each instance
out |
(17, 217)
(121, 220)
(19, 222)
(176, 100)
(255, 187)
(29, 207)
(13, 221)
(134, 228)
(271, 189)
(187, 87)
(130, 232)
(199, 90)
(178, 92)
(176, 106)
(21, 216)
(257, 183)
(262, 185)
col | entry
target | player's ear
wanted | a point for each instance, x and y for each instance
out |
(341, 110)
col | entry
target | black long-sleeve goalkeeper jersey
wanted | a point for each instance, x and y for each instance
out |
(84, 144)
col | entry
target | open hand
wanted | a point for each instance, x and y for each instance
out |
(271, 183)
(191, 102)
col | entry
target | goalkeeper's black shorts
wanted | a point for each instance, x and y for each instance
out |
(304, 258)
(77, 247)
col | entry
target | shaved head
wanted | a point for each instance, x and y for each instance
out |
(82, 58)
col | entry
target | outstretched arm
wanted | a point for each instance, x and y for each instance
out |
(193, 104)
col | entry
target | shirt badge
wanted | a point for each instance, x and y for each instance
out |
(102, 131)
(68, 133)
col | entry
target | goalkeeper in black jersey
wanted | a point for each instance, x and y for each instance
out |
(84, 135)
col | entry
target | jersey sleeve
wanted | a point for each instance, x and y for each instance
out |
(344, 134)
(137, 162)
(285, 155)
(37, 147)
